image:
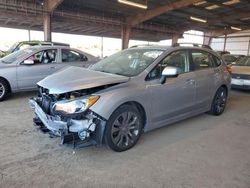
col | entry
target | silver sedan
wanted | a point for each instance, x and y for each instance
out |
(20, 71)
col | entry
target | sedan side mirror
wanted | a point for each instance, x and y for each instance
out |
(169, 72)
(28, 62)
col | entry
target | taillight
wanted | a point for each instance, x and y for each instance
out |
(229, 69)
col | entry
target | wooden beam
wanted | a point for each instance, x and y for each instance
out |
(149, 14)
(51, 5)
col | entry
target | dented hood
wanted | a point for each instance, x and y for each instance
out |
(75, 78)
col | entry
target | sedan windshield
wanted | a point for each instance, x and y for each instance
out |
(245, 61)
(129, 62)
(16, 55)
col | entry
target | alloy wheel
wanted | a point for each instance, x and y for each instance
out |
(220, 101)
(2, 90)
(125, 129)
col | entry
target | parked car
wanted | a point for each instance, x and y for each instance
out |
(231, 59)
(221, 53)
(241, 74)
(26, 44)
(135, 90)
(21, 70)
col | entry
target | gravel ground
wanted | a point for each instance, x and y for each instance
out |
(203, 152)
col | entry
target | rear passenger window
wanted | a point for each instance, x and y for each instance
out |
(72, 56)
(217, 61)
(201, 60)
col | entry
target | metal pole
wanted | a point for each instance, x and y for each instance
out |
(29, 34)
(248, 52)
(225, 42)
(102, 47)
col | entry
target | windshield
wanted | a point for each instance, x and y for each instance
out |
(244, 61)
(16, 55)
(128, 62)
(13, 47)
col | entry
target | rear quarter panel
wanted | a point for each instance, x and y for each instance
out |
(8, 72)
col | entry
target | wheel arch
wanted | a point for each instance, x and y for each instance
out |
(223, 86)
(139, 107)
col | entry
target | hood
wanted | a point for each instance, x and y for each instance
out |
(241, 70)
(75, 78)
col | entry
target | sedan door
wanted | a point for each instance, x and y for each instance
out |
(45, 63)
(175, 98)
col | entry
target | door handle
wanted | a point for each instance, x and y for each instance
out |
(53, 67)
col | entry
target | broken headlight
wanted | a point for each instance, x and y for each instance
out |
(75, 106)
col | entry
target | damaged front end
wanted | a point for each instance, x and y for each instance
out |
(68, 116)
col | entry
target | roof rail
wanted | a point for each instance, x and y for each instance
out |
(142, 45)
(193, 44)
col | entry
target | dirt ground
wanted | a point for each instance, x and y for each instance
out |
(201, 152)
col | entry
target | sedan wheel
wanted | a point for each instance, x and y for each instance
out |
(123, 128)
(4, 90)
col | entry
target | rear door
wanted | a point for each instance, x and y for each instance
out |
(202, 63)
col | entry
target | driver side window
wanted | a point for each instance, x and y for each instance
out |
(176, 59)
(44, 57)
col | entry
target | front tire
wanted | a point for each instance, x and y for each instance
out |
(124, 128)
(219, 102)
(4, 90)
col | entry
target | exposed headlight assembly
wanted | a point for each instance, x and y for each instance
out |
(75, 106)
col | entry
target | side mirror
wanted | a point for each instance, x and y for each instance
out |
(169, 72)
(28, 62)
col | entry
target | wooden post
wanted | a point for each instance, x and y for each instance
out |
(175, 38)
(225, 43)
(207, 39)
(125, 35)
(47, 27)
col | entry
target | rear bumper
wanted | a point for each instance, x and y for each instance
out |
(240, 84)
(79, 132)
(244, 87)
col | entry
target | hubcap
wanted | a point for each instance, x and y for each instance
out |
(125, 129)
(2, 90)
(220, 101)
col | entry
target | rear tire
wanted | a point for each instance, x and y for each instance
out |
(219, 102)
(4, 90)
(124, 128)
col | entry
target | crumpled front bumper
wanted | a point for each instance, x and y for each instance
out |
(86, 132)
(50, 122)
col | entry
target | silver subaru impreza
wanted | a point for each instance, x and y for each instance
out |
(133, 91)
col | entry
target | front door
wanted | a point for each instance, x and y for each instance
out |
(45, 63)
(176, 97)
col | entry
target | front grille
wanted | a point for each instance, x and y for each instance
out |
(43, 91)
(46, 101)
(241, 76)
